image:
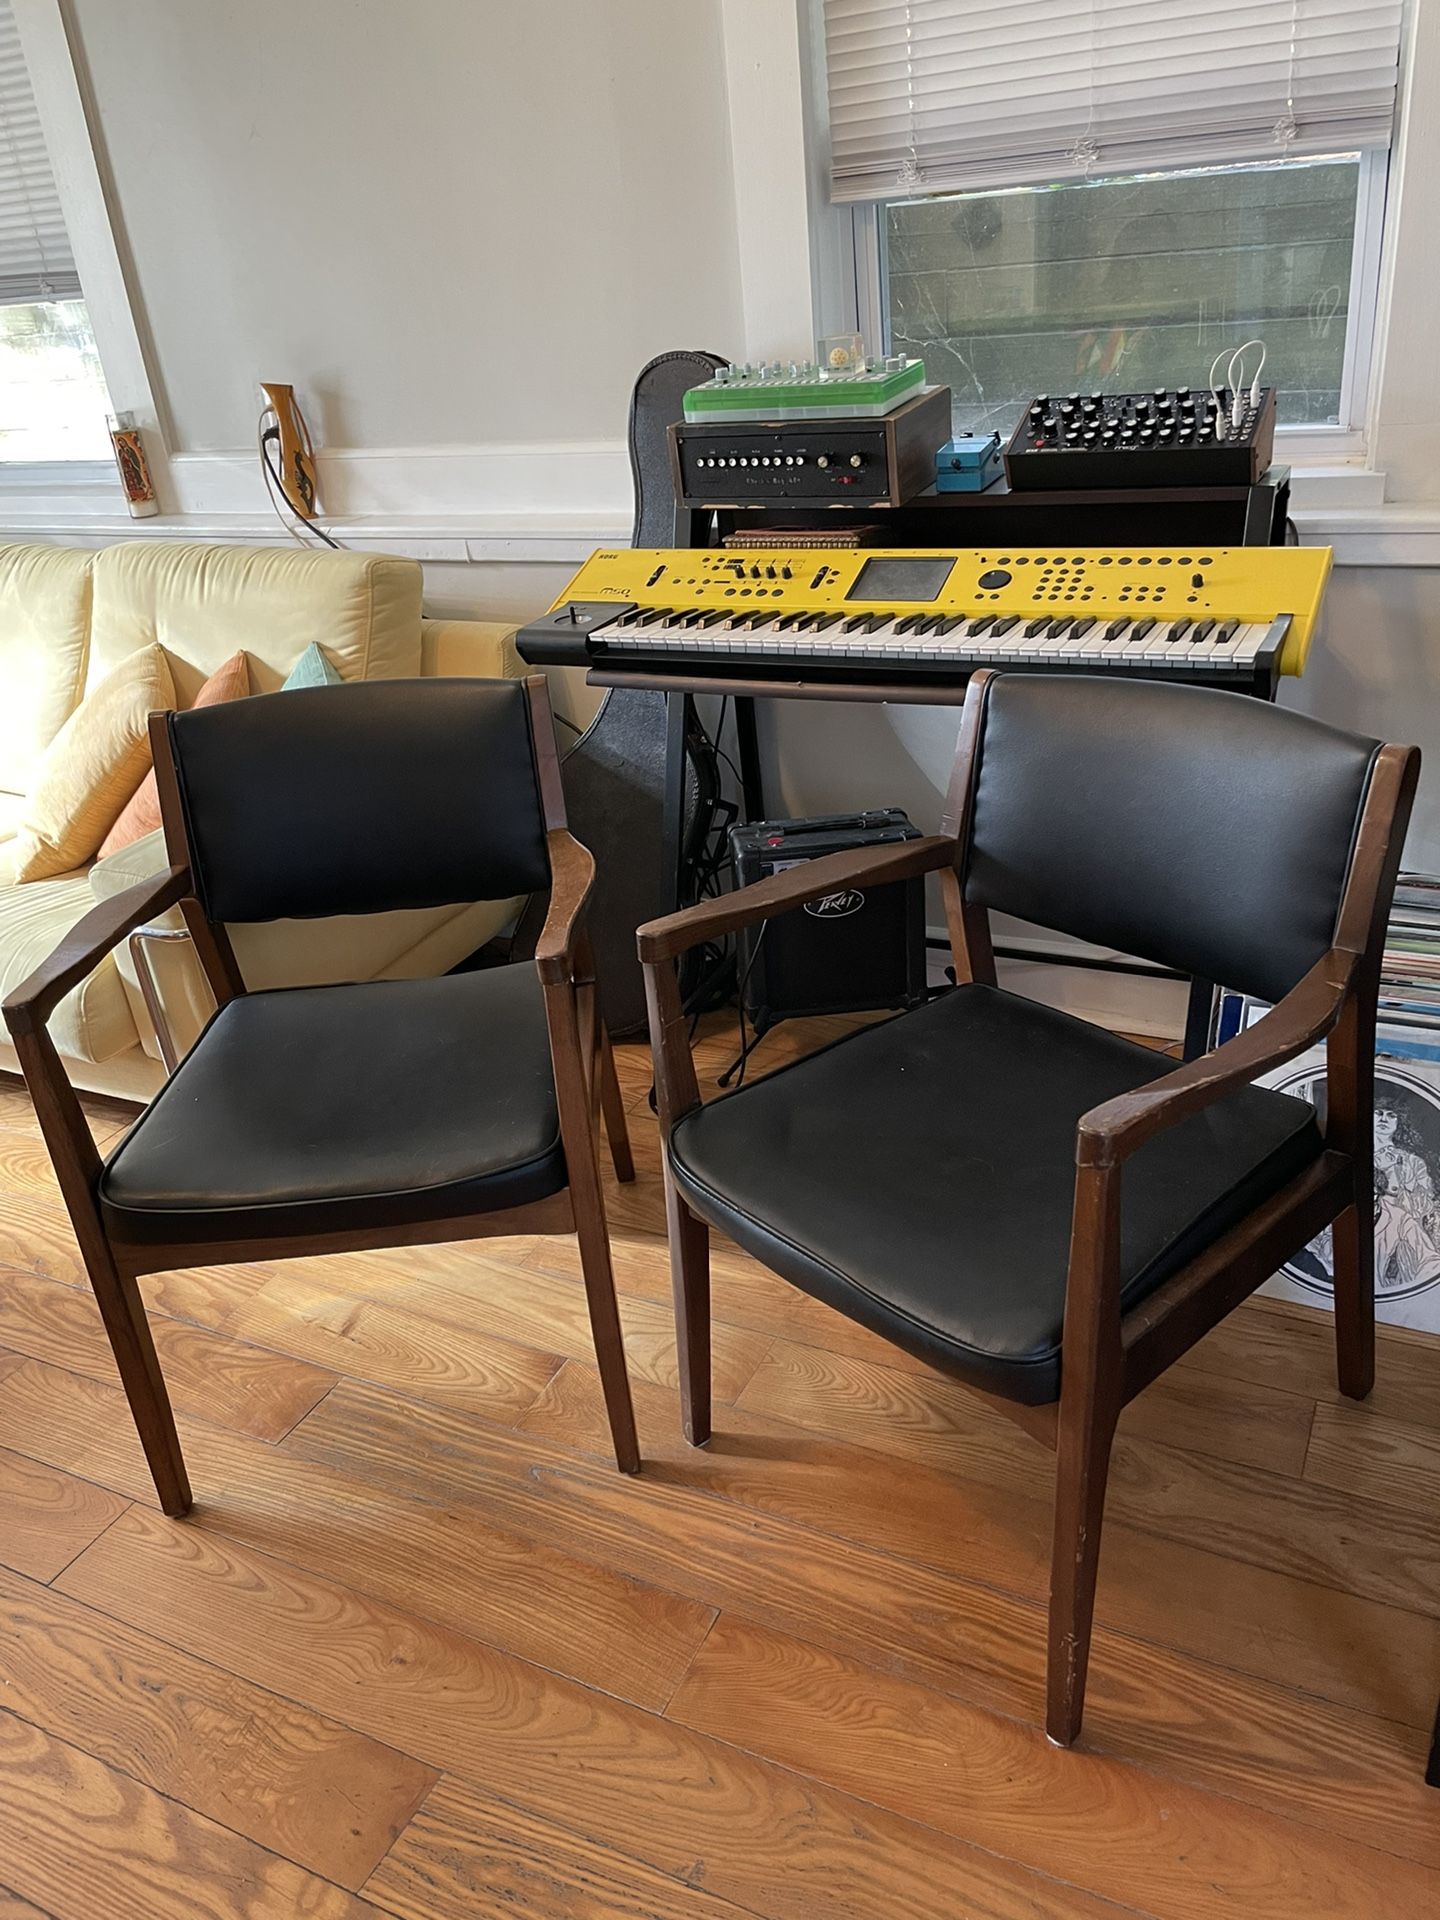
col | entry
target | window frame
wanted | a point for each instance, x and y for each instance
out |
(61, 101)
(862, 236)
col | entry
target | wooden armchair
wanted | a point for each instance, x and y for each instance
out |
(953, 1179)
(328, 1119)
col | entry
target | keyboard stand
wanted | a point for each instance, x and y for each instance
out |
(1256, 516)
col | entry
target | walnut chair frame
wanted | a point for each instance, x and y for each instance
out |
(1109, 1355)
(585, 1086)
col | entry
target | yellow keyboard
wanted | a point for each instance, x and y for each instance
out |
(873, 616)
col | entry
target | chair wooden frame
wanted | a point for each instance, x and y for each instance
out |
(585, 1085)
(1108, 1355)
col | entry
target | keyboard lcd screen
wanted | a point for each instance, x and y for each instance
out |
(887, 578)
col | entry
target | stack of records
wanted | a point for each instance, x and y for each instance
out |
(1409, 1014)
(1408, 1026)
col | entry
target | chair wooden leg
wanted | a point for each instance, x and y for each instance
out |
(605, 1329)
(123, 1312)
(690, 1280)
(1082, 1467)
(612, 1108)
(1353, 1242)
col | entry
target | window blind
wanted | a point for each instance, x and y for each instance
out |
(35, 258)
(930, 96)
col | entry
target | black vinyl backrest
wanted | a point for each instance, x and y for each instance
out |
(361, 798)
(656, 403)
(1205, 830)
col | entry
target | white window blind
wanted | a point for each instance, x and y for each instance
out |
(35, 258)
(929, 96)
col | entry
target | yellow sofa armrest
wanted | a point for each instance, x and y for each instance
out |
(469, 650)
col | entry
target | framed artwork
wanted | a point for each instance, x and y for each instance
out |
(1407, 1190)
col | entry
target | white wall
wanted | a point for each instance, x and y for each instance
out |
(448, 222)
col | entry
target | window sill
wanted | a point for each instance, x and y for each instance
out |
(1340, 505)
(537, 538)
(80, 477)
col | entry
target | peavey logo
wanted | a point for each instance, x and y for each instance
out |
(836, 906)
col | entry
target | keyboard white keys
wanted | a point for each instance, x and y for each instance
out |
(799, 640)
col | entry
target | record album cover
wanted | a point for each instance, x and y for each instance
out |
(1407, 1191)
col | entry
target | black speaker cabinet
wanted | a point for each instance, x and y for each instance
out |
(846, 953)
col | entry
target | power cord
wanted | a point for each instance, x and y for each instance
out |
(736, 1070)
(286, 511)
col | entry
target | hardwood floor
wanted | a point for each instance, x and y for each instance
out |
(421, 1652)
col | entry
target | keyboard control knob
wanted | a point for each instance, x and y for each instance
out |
(996, 578)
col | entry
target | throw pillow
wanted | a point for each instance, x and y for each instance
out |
(312, 669)
(142, 813)
(92, 767)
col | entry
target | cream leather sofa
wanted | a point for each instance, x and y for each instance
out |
(79, 613)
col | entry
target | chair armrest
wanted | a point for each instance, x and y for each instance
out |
(1111, 1132)
(87, 944)
(811, 880)
(572, 874)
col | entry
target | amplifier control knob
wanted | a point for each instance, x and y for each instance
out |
(822, 459)
(857, 459)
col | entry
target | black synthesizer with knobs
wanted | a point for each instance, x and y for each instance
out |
(878, 462)
(1168, 438)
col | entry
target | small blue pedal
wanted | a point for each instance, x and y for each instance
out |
(968, 463)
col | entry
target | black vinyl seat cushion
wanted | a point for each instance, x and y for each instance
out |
(919, 1176)
(312, 1109)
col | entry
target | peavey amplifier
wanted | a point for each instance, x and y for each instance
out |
(846, 953)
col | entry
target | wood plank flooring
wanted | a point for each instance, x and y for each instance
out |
(421, 1653)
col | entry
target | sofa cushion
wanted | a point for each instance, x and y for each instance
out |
(141, 814)
(44, 646)
(312, 669)
(12, 810)
(92, 1023)
(92, 767)
(413, 943)
(202, 603)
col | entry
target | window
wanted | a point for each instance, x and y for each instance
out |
(53, 400)
(1052, 195)
(1134, 283)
